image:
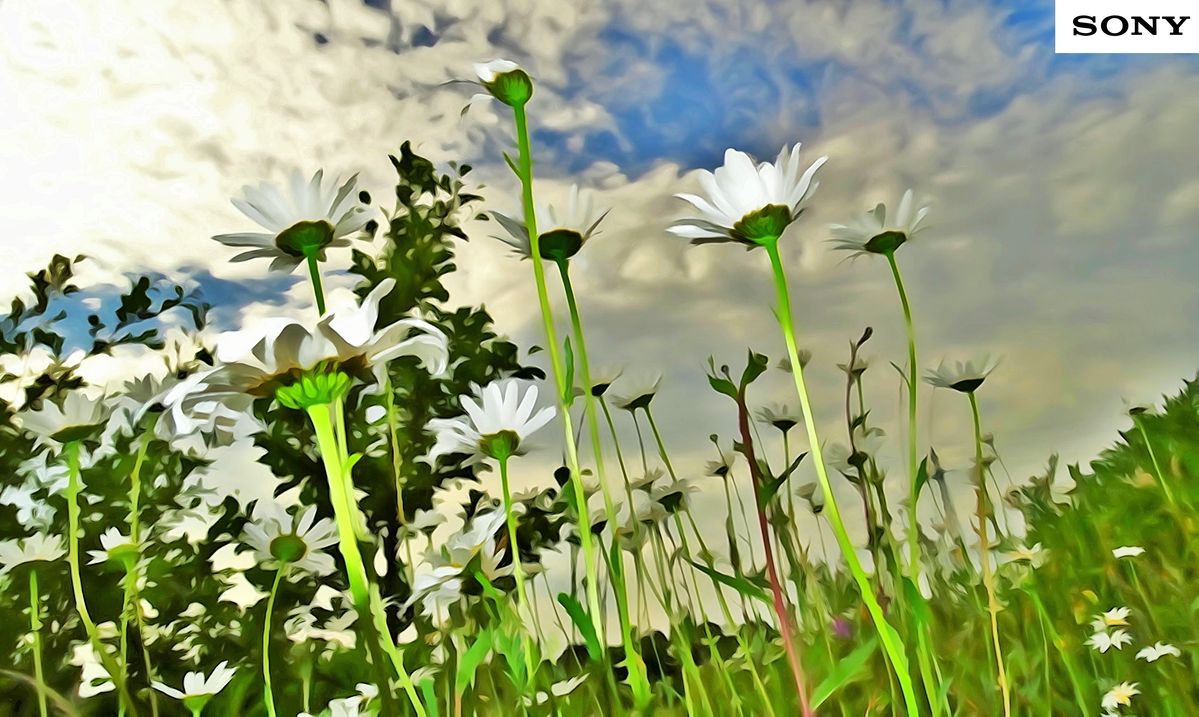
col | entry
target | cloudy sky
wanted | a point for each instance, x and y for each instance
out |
(1064, 187)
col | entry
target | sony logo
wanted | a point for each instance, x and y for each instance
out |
(1119, 25)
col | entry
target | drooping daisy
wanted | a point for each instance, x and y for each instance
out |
(1120, 696)
(1104, 641)
(280, 539)
(602, 379)
(561, 232)
(497, 421)
(303, 364)
(1158, 650)
(1128, 551)
(747, 203)
(1115, 617)
(199, 688)
(1032, 554)
(779, 415)
(638, 392)
(38, 548)
(721, 468)
(505, 81)
(73, 418)
(964, 377)
(439, 581)
(873, 232)
(674, 496)
(116, 547)
(302, 221)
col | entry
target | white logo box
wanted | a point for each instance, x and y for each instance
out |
(1127, 26)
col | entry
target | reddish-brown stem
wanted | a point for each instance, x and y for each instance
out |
(780, 606)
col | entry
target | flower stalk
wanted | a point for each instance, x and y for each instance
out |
(35, 627)
(984, 547)
(74, 487)
(890, 639)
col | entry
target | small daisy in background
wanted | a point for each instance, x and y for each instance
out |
(1120, 696)
(1128, 551)
(562, 229)
(964, 377)
(281, 539)
(1116, 617)
(1158, 650)
(198, 688)
(1104, 641)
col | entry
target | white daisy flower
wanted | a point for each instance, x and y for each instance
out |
(561, 232)
(497, 421)
(872, 233)
(722, 467)
(1031, 554)
(1112, 618)
(117, 547)
(638, 391)
(73, 418)
(1128, 551)
(302, 220)
(1158, 650)
(674, 496)
(747, 203)
(199, 688)
(602, 379)
(505, 81)
(304, 364)
(93, 678)
(279, 539)
(1120, 696)
(1104, 641)
(37, 548)
(964, 377)
(779, 415)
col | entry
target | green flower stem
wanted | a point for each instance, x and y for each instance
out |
(115, 671)
(35, 626)
(268, 693)
(133, 600)
(378, 639)
(397, 469)
(984, 547)
(912, 380)
(890, 639)
(1161, 477)
(314, 273)
(637, 670)
(1076, 682)
(525, 173)
(518, 568)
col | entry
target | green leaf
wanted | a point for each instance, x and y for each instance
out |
(582, 621)
(771, 489)
(921, 477)
(469, 663)
(740, 584)
(755, 366)
(844, 672)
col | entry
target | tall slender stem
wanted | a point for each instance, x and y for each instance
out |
(914, 497)
(892, 643)
(525, 172)
(1161, 478)
(314, 273)
(35, 626)
(115, 671)
(636, 664)
(268, 694)
(984, 547)
(376, 639)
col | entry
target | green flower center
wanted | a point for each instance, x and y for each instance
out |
(288, 548)
(560, 244)
(967, 385)
(765, 224)
(512, 88)
(71, 434)
(500, 445)
(304, 239)
(125, 554)
(886, 243)
(314, 388)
